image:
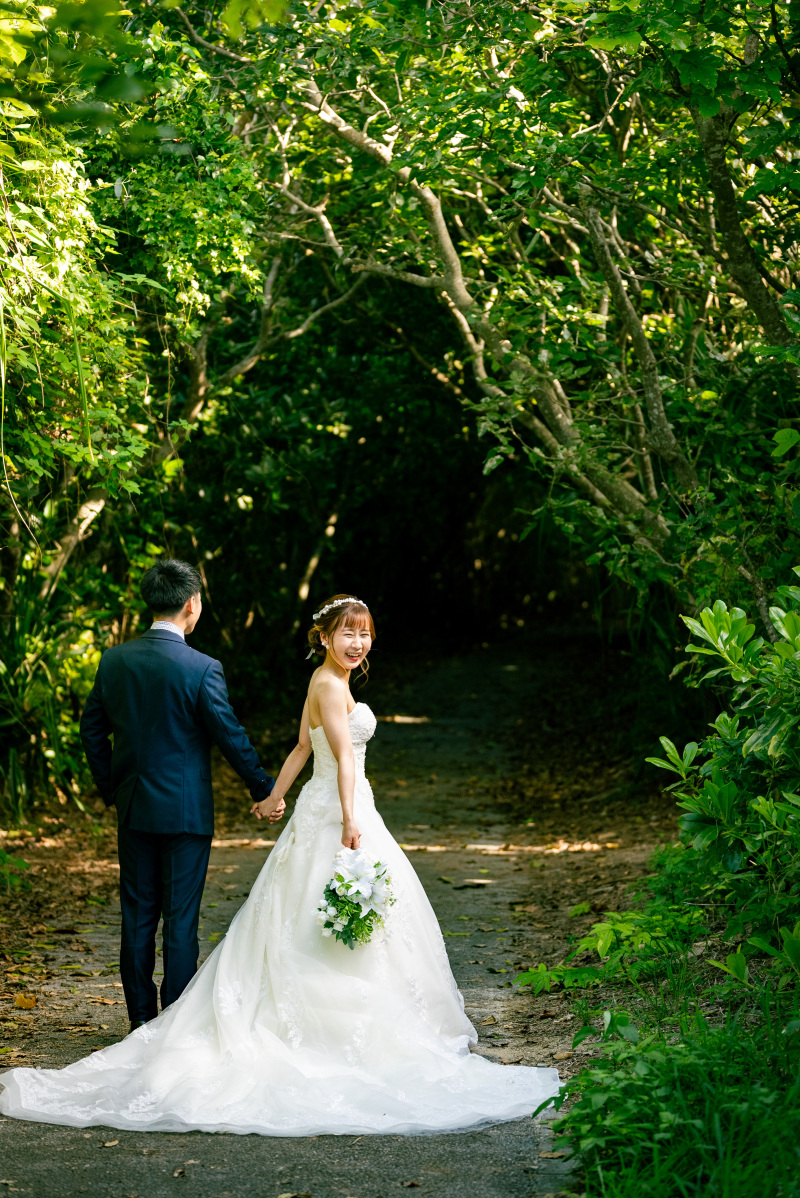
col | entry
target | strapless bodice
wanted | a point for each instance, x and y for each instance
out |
(362, 728)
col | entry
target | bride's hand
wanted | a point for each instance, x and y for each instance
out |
(351, 837)
(268, 809)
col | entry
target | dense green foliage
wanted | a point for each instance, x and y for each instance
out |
(284, 268)
(689, 1106)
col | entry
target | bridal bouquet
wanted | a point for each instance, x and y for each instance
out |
(356, 899)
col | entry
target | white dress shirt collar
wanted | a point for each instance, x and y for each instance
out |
(167, 626)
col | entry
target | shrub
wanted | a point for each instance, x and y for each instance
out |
(739, 788)
(716, 1115)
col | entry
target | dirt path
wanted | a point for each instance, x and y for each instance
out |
(502, 890)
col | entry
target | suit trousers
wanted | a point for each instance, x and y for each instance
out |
(160, 874)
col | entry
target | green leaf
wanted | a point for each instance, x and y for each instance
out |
(785, 439)
(611, 41)
(708, 104)
(171, 467)
(736, 966)
(791, 946)
(582, 1034)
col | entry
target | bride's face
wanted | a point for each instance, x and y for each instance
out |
(349, 646)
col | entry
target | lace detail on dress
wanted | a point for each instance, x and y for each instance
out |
(230, 998)
(362, 728)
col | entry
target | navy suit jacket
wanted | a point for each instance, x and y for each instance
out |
(164, 704)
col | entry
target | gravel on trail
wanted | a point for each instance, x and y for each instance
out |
(503, 892)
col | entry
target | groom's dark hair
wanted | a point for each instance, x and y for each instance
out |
(168, 584)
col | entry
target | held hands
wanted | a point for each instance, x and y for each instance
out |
(269, 809)
(351, 837)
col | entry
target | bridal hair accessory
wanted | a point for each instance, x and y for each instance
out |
(357, 898)
(337, 603)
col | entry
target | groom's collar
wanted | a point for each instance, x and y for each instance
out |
(167, 626)
(163, 628)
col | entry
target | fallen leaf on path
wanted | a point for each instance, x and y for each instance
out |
(562, 1056)
(553, 1156)
(294, 1194)
(446, 880)
(178, 1172)
(25, 1002)
(548, 1014)
(111, 1143)
(489, 1018)
(513, 1061)
(473, 883)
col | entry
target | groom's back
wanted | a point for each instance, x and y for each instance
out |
(160, 764)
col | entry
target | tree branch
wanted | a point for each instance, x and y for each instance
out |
(253, 355)
(315, 315)
(388, 272)
(318, 211)
(201, 41)
(661, 440)
(76, 531)
(742, 261)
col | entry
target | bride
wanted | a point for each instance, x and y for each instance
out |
(283, 1031)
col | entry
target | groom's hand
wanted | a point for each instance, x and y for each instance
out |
(269, 809)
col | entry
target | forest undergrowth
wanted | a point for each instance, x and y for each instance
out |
(691, 985)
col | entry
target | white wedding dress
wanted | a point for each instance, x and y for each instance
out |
(285, 1033)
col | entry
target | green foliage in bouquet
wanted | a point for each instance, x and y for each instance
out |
(357, 926)
(356, 898)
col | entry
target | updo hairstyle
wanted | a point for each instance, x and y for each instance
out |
(353, 615)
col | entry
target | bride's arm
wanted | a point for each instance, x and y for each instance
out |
(274, 806)
(333, 709)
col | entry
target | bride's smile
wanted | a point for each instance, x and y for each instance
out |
(348, 646)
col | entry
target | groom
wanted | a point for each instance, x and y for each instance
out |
(164, 704)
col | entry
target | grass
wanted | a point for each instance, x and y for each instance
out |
(716, 1115)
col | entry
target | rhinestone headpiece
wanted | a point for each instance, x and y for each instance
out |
(337, 603)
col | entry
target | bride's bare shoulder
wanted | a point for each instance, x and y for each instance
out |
(325, 687)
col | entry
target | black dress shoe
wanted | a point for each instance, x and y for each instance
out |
(137, 1023)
